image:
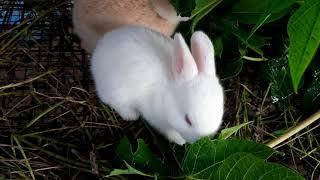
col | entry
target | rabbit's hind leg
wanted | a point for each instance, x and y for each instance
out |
(128, 113)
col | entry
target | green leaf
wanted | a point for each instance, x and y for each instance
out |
(205, 153)
(218, 159)
(304, 35)
(230, 69)
(184, 7)
(195, 9)
(124, 150)
(142, 157)
(277, 72)
(272, 8)
(259, 12)
(311, 99)
(254, 42)
(130, 170)
(248, 167)
(226, 133)
(203, 7)
(218, 46)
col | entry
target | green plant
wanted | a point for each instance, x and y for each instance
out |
(284, 37)
(205, 159)
(304, 34)
(53, 126)
(241, 27)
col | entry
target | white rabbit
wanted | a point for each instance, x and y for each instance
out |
(93, 18)
(138, 71)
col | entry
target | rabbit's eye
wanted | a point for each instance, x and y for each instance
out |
(186, 118)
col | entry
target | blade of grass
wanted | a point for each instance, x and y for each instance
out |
(25, 30)
(108, 116)
(16, 27)
(52, 140)
(84, 165)
(2, 94)
(12, 147)
(37, 170)
(50, 130)
(26, 81)
(257, 26)
(25, 157)
(56, 156)
(42, 114)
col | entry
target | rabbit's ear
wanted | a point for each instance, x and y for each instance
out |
(203, 52)
(184, 66)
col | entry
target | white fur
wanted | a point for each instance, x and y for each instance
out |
(138, 71)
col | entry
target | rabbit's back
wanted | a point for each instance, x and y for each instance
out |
(129, 63)
(93, 18)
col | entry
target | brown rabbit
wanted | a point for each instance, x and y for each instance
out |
(93, 18)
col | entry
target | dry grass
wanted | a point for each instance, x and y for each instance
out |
(50, 118)
(53, 126)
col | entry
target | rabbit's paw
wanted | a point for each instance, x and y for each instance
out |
(167, 11)
(128, 114)
(175, 137)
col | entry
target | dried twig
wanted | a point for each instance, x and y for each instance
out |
(294, 130)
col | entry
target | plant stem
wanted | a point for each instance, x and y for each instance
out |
(254, 58)
(292, 131)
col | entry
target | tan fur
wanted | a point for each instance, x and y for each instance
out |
(93, 18)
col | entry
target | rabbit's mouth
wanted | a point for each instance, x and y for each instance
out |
(187, 120)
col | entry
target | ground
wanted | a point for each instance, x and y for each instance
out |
(52, 122)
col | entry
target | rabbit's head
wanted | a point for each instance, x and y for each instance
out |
(198, 98)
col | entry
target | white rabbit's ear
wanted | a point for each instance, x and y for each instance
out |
(184, 66)
(203, 52)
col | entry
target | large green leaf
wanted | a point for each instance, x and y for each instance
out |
(206, 153)
(214, 159)
(248, 167)
(304, 35)
(259, 12)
